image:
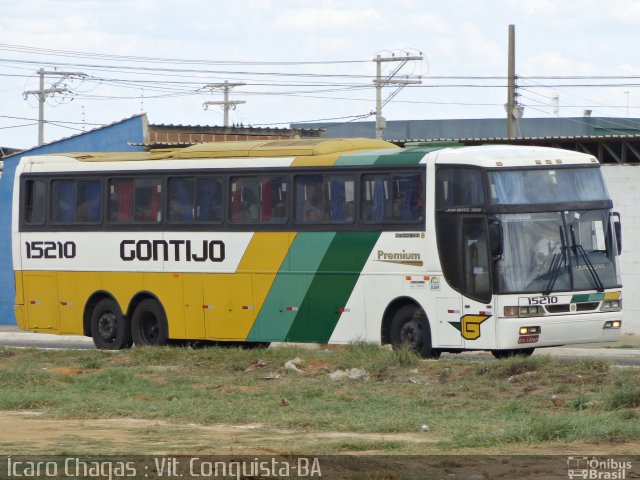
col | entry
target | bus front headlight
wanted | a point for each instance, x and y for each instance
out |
(611, 306)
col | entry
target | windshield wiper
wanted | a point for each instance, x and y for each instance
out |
(579, 250)
(557, 262)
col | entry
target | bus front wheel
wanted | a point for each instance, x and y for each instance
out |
(149, 324)
(410, 328)
(110, 329)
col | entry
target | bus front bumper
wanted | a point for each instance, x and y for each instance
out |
(550, 331)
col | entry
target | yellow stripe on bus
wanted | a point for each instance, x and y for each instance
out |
(238, 298)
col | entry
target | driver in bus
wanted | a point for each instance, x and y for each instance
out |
(544, 250)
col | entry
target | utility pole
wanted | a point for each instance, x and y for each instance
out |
(511, 83)
(226, 103)
(42, 94)
(380, 82)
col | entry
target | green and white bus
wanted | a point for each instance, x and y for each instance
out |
(442, 247)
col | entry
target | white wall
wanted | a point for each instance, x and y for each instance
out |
(623, 182)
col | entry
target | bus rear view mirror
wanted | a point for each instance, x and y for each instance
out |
(496, 239)
(617, 228)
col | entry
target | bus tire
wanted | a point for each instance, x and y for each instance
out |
(523, 352)
(255, 345)
(410, 327)
(110, 329)
(149, 324)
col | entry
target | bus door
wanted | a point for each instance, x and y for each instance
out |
(477, 327)
(465, 255)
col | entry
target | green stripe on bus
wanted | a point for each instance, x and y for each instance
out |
(332, 286)
(290, 286)
(352, 160)
(587, 297)
(385, 158)
(404, 158)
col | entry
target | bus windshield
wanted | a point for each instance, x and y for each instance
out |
(533, 186)
(556, 251)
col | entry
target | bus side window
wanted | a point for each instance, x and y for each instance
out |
(458, 187)
(393, 198)
(341, 192)
(121, 200)
(181, 193)
(63, 201)
(136, 200)
(34, 202)
(209, 204)
(89, 201)
(258, 200)
(148, 196)
(324, 199)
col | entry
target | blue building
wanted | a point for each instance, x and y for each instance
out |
(125, 136)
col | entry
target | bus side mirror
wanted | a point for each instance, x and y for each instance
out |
(617, 228)
(496, 239)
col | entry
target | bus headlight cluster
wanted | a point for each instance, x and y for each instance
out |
(534, 311)
(529, 330)
(613, 324)
(611, 306)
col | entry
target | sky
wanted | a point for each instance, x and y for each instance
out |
(309, 60)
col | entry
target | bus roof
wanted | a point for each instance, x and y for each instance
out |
(313, 153)
(257, 148)
(512, 156)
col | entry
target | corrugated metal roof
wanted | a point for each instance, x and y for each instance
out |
(235, 127)
(517, 139)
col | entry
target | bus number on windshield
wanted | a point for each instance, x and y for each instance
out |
(542, 300)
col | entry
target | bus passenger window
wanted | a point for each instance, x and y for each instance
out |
(325, 199)
(258, 200)
(181, 192)
(63, 201)
(195, 199)
(147, 200)
(89, 201)
(208, 204)
(34, 202)
(393, 198)
(121, 201)
(310, 206)
(136, 200)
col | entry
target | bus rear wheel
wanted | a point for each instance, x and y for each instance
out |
(110, 329)
(410, 328)
(149, 324)
(523, 352)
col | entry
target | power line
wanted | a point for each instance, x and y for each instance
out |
(71, 53)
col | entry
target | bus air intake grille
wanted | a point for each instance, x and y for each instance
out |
(587, 306)
(558, 308)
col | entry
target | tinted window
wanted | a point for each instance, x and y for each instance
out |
(135, 200)
(258, 200)
(325, 199)
(63, 201)
(195, 199)
(76, 201)
(393, 198)
(34, 202)
(459, 187)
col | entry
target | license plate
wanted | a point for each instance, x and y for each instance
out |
(529, 339)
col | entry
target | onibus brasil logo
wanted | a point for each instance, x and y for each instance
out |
(597, 468)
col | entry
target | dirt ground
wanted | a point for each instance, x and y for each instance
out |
(125, 436)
